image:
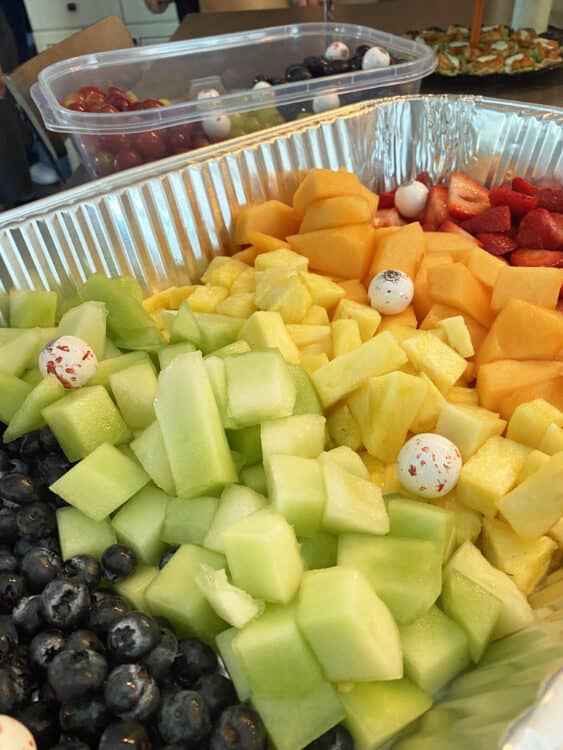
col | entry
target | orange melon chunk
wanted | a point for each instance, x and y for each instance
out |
(549, 390)
(324, 183)
(422, 300)
(441, 312)
(402, 251)
(265, 243)
(541, 286)
(448, 242)
(455, 285)
(272, 217)
(497, 381)
(248, 255)
(354, 289)
(342, 251)
(405, 318)
(336, 212)
(484, 266)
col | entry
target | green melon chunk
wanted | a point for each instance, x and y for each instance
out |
(218, 379)
(17, 352)
(87, 322)
(134, 389)
(255, 478)
(151, 454)
(352, 503)
(109, 366)
(32, 377)
(32, 308)
(13, 392)
(110, 350)
(174, 594)
(347, 459)
(232, 604)
(184, 326)
(418, 520)
(224, 645)
(306, 399)
(101, 482)
(4, 309)
(236, 503)
(169, 353)
(138, 523)
(84, 420)
(167, 318)
(299, 435)
(133, 587)
(217, 330)
(44, 337)
(81, 535)
(246, 441)
(319, 551)
(237, 347)
(188, 521)
(29, 415)
(296, 490)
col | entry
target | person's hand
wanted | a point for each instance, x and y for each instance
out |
(307, 3)
(156, 6)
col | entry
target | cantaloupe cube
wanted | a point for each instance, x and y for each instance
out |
(439, 312)
(342, 251)
(552, 440)
(323, 291)
(355, 290)
(324, 183)
(206, 298)
(311, 361)
(550, 390)
(490, 474)
(498, 380)
(427, 415)
(316, 316)
(305, 336)
(238, 305)
(523, 331)
(336, 212)
(283, 259)
(247, 256)
(455, 285)
(422, 300)
(246, 282)
(343, 428)
(222, 271)
(457, 335)
(270, 217)
(448, 242)
(406, 318)
(265, 243)
(461, 394)
(469, 427)
(540, 286)
(345, 336)
(529, 422)
(440, 362)
(402, 250)
(484, 266)
(533, 461)
(367, 318)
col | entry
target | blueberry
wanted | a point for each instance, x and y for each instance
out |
(28, 616)
(355, 63)
(131, 693)
(217, 691)
(71, 744)
(4, 461)
(125, 735)
(165, 558)
(73, 674)
(160, 660)
(105, 611)
(239, 728)
(20, 671)
(317, 66)
(337, 67)
(42, 721)
(36, 520)
(84, 639)
(8, 525)
(18, 488)
(132, 636)
(84, 568)
(29, 446)
(361, 50)
(44, 647)
(8, 638)
(297, 73)
(337, 738)
(118, 561)
(7, 692)
(12, 588)
(40, 566)
(65, 603)
(8, 562)
(194, 659)
(47, 440)
(23, 545)
(19, 466)
(12, 448)
(50, 467)
(85, 717)
(183, 718)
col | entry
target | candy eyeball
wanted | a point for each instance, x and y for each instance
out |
(70, 359)
(325, 102)
(216, 127)
(376, 57)
(208, 94)
(337, 51)
(429, 465)
(390, 292)
(262, 85)
(15, 735)
(410, 199)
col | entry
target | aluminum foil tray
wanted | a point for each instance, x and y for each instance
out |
(163, 222)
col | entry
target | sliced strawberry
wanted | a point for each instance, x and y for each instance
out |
(523, 186)
(451, 226)
(424, 177)
(541, 229)
(466, 198)
(495, 219)
(497, 244)
(436, 209)
(387, 200)
(552, 199)
(518, 203)
(387, 217)
(552, 258)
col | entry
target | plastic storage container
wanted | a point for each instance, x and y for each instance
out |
(176, 73)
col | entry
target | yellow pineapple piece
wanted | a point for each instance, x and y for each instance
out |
(490, 474)
(533, 461)
(323, 291)
(440, 362)
(552, 594)
(375, 467)
(205, 299)
(282, 292)
(238, 305)
(552, 440)
(402, 333)
(525, 561)
(536, 505)
(245, 282)
(441, 335)
(316, 316)
(531, 419)
(168, 299)
(265, 329)
(366, 317)
(343, 428)
(313, 362)
(282, 258)
(392, 483)
(457, 335)
(223, 271)
(429, 411)
(461, 394)
(556, 532)
(467, 522)
(409, 369)
(469, 427)
(345, 336)
(469, 374)
(305, 335)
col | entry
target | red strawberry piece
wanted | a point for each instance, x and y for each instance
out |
(541, 229)
(522, 257)
(466, 198)
(523, 186)
(436, 209)
(451, 226)
(497, 244)
(495, 219)
(518, 203)
(424, 177)
(387, 200)
(552, 199)
(387, 217)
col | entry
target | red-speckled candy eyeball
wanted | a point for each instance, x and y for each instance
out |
(70, 359)
(15, 736)
(429, 465)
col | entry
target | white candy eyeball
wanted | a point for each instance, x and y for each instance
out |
(410, 199)
(337, 51)
(70, 359)
(208, 94)
(390, 292)
(325, 102)
(376, 57)
(216, 127)
(262, 85)
(429, 465)
(14, 735)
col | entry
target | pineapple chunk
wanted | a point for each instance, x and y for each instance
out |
(304, 336)
(223, 271)
(467, 521)
(427, 416)
(440, 362)
(457, 335)
(283, 259)
(556, 532)
(246, 282)
(468, 427)
(305, 351)
(238, 305)
(205, 299)
(525, 561)
(490, 474)
(530, 420)
(282, 292)
(536, 505)
(313, 361)
(316, 316)
(266, 330)
(392, 483)
(343, 428)
(402, 333)
(552, 440)
(168, 299)
(323, 291)
(460, 394)
(533, 461)
(345, 336)
(366, 317)
(375, 467)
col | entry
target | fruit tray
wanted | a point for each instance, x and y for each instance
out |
(162, 223)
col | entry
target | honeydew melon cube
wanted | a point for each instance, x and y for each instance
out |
(32, 377)
(232, 604)
(185, 327)
(237, 347)
(306, 399)
(254, 477)
(266, 329)
(236, 502)
(435, 650)
(150, 451)
(347, 459)
(224, 643)
(138, 523)
(263, 556)
(296, 490)
(337, 607)
(84, 420)
(110, 350)
(298, 435)
(319, 551)
(88, 322)
(32, 308)
(174, 594)
(416, 520)
(168, 354)
(259, 387)
(108, 366)
(217, 374)
(134, 389)
(81, 535)
(405, 573)
(101, 482)
(17, 352)
(13, 392)
(247, 442)
(376, 711)
(352, 503)
(196, 445)
(188, 521)
(134, 586)
(217, 330)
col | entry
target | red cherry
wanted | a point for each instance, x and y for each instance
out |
(85, 91)
(108, 108)
(119, 101)
(127, 159)
(76, 107)
(90, 144)
(180, 138)
(151, 103)
(73, 98)
(200, 141)
(94, 101)
(115, 90)
(151, 144)
(135, 106)
(115, 142)
(103, 163)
